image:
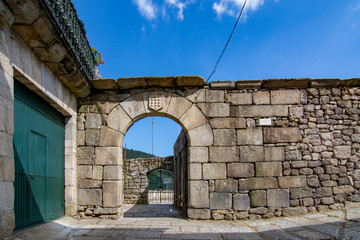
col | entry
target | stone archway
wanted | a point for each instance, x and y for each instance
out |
(136, 107)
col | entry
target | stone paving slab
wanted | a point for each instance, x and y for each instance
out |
(332, 225)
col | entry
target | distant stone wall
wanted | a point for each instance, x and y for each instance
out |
(136, 180)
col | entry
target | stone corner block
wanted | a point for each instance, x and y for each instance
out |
(201, 136)
(108, 155)
(214, 171)
(89, 196)
(199, 194)
(199, 213)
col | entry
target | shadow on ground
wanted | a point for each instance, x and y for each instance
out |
(331, 225)
(150, 210)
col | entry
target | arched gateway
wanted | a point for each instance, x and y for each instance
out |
(254, 148)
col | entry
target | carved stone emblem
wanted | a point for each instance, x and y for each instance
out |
(156, 101)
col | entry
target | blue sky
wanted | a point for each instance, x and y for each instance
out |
(274, 39)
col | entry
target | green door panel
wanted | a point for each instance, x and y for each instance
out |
(39, 137)
(161, 179)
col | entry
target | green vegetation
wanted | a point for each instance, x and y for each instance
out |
(131, 154)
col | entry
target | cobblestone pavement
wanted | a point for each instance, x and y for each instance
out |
(162, 222)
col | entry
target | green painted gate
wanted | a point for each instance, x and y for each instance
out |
(39, 139)
(161, 187)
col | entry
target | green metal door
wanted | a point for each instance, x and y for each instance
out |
(39, 136)
(160, 187)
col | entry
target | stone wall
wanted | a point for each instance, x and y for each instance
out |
(136, 179)
(255, 149)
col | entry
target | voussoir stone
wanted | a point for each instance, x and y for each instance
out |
(282, 135)
(110, 137)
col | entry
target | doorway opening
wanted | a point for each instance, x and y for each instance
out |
(150, 169)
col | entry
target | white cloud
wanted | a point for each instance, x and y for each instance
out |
(146, 8)
(180, 5)
(230, 7)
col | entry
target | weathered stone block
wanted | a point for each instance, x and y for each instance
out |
(220, 201)
(8, 223)
(278, 198)
(198, 154)
(190, 81)
(251, 153)
(261, 97)
(113, 173)
(90, 196)
(104, 84)
(108, 155)
(119, 120)
(228, 123)
(222, 85)
(262, 111)
(84, 171)
(285, 97)
(97, 172)
(80, 138)
(224, 154)
(250, 137)
(282, 135)
(199, 194)
(89, 183)
(224, 137)
(296, 112)
(343, 190)
(292, 182)
(195, 171)
(239, 98)
(342, 152)
(257, 183)
(296, 193)
(134, 106)
(214, 171)
(240, 170)
(111, 194)
(92, 137)
(229, 185)
(258, 198)
(199, 213)
(7, 169)
(248, 84)
(110, 138)
(7, 196)
(291, 211)
(215, 109)
(241, 202)
(93, 120)
(129, 83)
(6, 147)
(274, 153)
(201, 136)
(85, 155)
(213, 96)
(268, 169)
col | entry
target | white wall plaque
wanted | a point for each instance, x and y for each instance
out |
(265, 122)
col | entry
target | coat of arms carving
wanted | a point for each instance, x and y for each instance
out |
(156, 101)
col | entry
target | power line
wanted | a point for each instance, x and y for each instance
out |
(232, 32)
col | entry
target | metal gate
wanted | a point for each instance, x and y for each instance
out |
(161, 187)
(39, 136)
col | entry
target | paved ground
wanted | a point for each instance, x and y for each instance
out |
(162, 222)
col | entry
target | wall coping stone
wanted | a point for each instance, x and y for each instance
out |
(128, 83)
